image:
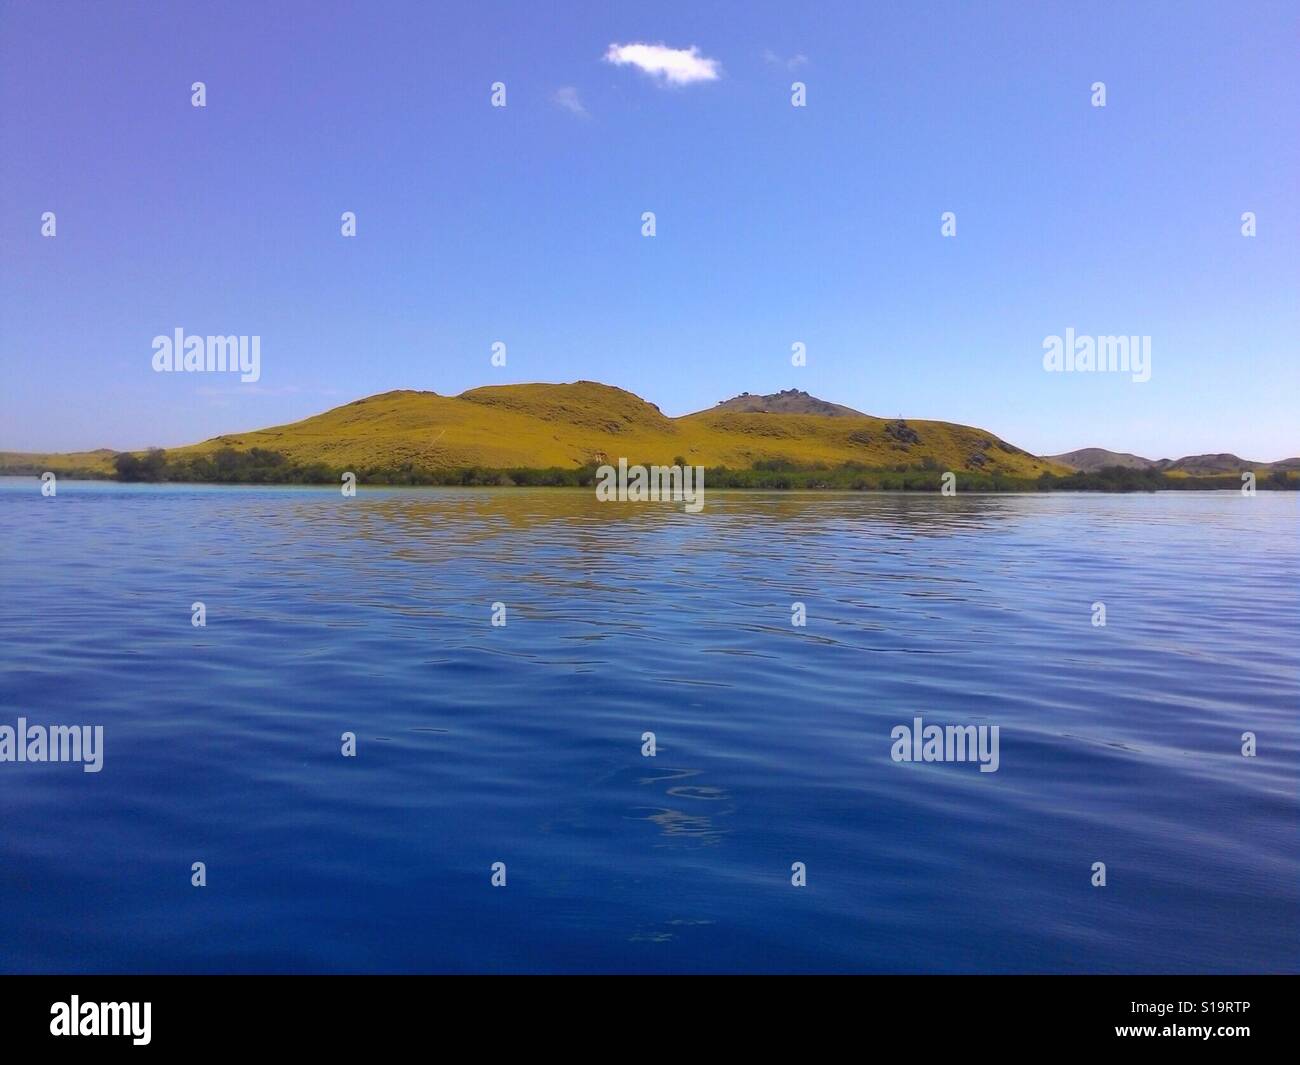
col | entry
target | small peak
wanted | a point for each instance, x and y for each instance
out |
(787, 401)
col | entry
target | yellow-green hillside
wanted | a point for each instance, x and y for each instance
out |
(571, 425)
(69, 463)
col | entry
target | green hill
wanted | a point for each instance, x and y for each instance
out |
(578, 424)
(411, 436)
(515, 433)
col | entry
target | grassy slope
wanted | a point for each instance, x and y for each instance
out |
(71, 462)
(570, 425)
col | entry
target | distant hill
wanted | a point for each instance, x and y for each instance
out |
(791, 401)
(1092, 459)
(91, 463)
(580, 423)
(1208, 465)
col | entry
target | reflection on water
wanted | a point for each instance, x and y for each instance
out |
(522, 743)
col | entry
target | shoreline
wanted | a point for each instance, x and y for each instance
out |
(1031, 488)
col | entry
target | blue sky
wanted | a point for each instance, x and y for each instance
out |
(775, 224)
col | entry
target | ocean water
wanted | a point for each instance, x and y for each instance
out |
(522, 743)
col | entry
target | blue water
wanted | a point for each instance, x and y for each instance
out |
(522, 744)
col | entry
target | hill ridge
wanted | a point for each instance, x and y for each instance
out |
(571, 425)
(578, 423)
(1091, 459)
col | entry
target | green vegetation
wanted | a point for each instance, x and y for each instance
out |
(263, 466)
(569, 426)
(558, 434)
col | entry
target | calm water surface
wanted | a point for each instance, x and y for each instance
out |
(522, 744)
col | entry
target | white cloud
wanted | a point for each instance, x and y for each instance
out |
(568, 98)
(674, 66)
